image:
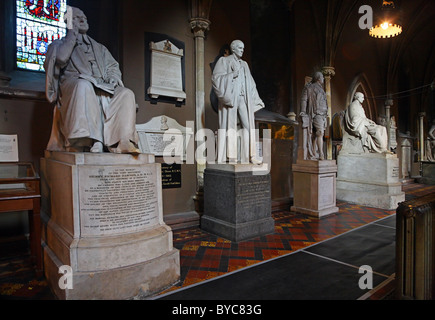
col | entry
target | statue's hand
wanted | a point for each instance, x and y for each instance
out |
(115, 82)
(73, 33)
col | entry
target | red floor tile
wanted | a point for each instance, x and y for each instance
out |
(205, 256)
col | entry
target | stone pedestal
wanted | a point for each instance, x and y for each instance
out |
(427, 173)
(103, 219)
(237, 201)
(370, 180)
(315, 187)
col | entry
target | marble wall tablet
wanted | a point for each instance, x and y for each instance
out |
(152, 137)
(166, 72)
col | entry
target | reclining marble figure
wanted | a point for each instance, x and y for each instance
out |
(93, 110)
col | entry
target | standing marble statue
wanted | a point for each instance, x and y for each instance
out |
(238, 101)
(430, 144)
(371, 136)
(93, 109)
(313, 115)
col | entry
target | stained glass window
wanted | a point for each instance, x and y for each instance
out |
(39, 22)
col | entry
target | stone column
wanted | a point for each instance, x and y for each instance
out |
(388, 104)
(328, 73)
(199, 26)
(421, 116)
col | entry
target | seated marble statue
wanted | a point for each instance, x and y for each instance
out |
(93, 110)
(362, 135)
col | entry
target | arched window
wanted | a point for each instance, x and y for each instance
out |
(361, 84)
(39, 22)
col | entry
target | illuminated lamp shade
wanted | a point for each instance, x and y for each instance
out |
(387, 23)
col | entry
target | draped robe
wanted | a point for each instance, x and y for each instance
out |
(87, 107)
(238, 97)
(373, 137)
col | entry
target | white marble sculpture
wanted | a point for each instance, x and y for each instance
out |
(430, 143)
(238, 101)
(362, 135)
(92, 109)
(368, 174)
(314, 110)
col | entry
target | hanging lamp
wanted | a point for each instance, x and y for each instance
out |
(387, 21)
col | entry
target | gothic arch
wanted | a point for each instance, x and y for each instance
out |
(361, 84)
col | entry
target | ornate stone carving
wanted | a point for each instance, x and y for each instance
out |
(199, 26)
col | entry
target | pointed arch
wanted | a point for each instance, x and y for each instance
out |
(361, 84)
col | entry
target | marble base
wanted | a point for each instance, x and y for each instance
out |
(103, 218)
(315, 187)
(370, 180)
(237, 201)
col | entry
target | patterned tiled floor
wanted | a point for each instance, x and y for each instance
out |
(205, 256)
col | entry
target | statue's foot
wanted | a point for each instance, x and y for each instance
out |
(97, 147)
(126, 147)
(254, 160)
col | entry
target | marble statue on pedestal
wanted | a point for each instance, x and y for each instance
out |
(93, 109)
(368, 173)
(314, 176)
(238, 98)
(362, 135)
(313, 114)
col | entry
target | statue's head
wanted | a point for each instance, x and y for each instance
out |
(237, 48)
(359, 96)
(318, 77)
(79, 20)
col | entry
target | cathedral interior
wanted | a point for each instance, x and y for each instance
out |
(286, 43)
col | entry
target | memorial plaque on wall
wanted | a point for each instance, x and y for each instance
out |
(164, 69)
(163, 136)
(8, 148)
(118, 199)
(171, 176)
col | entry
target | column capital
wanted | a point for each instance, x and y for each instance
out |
(199, 26)
(422, 114)
(389, 103)
(328, 71)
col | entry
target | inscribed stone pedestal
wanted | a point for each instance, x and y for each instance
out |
(370, 180)
(427, 173)
(237, 202)
(103, 218)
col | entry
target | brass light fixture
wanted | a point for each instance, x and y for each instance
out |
(387, 23)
